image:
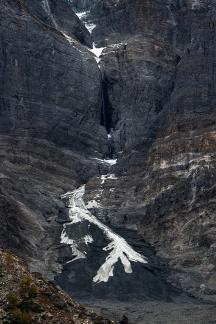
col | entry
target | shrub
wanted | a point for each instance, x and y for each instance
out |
(32, 292)
(25, 285)
(12, 299)
(20, 317)
(9, 259)
(26, 282)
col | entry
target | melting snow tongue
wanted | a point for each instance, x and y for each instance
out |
(80, 238)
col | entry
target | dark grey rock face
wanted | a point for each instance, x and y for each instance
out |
(118, 20)
(50, 113)
(39, 89)
(155, 95)
(57, 15)
(159, 86)
(80, 5)
(139, 76)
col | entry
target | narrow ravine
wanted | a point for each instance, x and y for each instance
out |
(116, 249)
(106, 109)
(100, 257)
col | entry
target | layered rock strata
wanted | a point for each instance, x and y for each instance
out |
(136, 126)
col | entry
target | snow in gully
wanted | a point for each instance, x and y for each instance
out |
(97, 51)
(118, 249)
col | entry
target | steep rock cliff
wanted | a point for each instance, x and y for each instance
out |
(136, 126)
(50, 113)
(158, 73)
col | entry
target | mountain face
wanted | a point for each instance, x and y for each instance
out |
(107, 134)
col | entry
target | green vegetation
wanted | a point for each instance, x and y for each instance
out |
(27, 289)
(18, 317)
(32, 291)
(21, 305)
(26, 282)
(12, 299)
(9, 259)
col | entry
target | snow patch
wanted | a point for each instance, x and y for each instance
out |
(92, 204)
(68, 38)
(90, 27)
(105, 177)
(119, 249)
(81, 14)
(106, 161)
(88, 239)
(111, 161)
(97, 51)
(74, 247)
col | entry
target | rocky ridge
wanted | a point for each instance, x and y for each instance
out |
(28, 298)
